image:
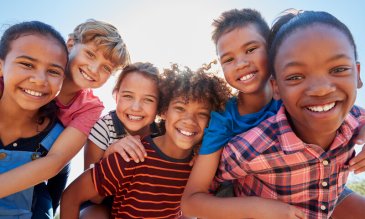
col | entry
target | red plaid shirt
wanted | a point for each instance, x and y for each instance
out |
(270, 161)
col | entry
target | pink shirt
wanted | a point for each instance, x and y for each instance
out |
(83, 111)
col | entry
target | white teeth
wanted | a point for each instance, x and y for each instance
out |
(323, 108)
(186, 132)
(132, 117)
(246, 77)
(87, 77)
(33, 93)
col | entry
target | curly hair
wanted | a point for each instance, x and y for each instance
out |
(200, 85)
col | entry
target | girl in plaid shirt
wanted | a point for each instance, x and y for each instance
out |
(237, 26)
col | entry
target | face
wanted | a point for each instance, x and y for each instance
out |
(316, 79)
(185, 123)
(33, 72)
(243, 57)
(136, 107)
(88, 67)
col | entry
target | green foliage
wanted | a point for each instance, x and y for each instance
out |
(358, 186)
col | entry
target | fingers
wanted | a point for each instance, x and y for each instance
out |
(130, 147)
(357, 164)
(360, 139)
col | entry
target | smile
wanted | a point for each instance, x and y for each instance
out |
(247, 77)
(135, 118)
(86, 76)
(323, 108)
(33, 93)
(186, 133)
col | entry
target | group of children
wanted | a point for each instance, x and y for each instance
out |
(284, 143)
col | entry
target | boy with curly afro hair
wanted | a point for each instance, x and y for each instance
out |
(153, 188)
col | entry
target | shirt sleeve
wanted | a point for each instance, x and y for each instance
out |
(111, 173)
(82, 113)
(231, 165)
(100, 134)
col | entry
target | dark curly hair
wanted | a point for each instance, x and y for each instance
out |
(199, 85)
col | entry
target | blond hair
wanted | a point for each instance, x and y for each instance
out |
(106, 37)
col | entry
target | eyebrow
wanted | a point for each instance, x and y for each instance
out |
(244, 45)
(130, 92)
(331, 59)
(35, 60)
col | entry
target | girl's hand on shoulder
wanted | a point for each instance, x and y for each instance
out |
(357, 164)
(129, 147)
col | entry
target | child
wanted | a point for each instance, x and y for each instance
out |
(300, 156)
(153, 189)
(96, 50)
(240, 37)
(132, 120)
(33, 58)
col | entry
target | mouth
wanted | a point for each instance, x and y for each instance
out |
(33, 93)
(322, 108)
(134, 117)
(187, 133)
(247, 76)
(86, 76)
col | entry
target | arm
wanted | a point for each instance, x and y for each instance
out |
(66, 146)
(92, 154)
(79, 191)
(196, 200)
(357, 164)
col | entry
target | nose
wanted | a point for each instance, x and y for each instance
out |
(242, 62)
(320, 86)
(39, 77)
(93, 68)
(136, 106)
(190, 119)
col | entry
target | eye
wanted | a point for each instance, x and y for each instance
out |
(55, 72)
(250, 50)
(107, 69)
(149, 100)
(227, 60)
(204, 115)
(26, 64)
(339, 69)
(127, 96)
(294, 78)
(90, 54)
(179, 108)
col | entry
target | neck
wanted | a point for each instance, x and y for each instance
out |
(169, 150)
(252, 103)
(68, 91)
(17, 123)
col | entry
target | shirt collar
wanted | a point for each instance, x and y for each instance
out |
(291, 143)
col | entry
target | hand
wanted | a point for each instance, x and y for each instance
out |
(274, 209)
(129, 147)
(357, 164)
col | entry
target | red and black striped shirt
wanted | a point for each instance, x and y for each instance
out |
(151, 189)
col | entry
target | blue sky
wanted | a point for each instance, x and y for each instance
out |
(165, 31)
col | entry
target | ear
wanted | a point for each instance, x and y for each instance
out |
(70, 44)
(275, 89)
(163, 116)
(359, 82)
(1, 67)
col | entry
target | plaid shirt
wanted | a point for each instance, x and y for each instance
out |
(270, 161)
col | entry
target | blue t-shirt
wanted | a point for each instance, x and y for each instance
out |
(224, 126)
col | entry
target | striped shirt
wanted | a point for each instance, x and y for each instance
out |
(270, 161)
(151, 189)
(109, 129)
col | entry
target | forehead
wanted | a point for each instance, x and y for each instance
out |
(239, 36)
(189, 101)
(318, 39)
(42, 46)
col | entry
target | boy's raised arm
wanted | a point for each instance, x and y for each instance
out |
(79, 191)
